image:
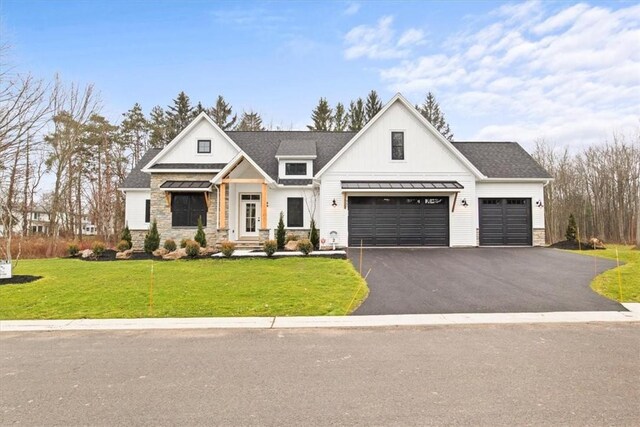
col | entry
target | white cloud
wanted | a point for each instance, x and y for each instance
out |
(380, 41)
(352, 8)
(572, 75)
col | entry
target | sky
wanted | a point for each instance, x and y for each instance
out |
(565, 72)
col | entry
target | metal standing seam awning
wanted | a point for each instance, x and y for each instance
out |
(186, 186)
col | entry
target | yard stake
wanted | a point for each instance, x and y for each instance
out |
(619, 277)
(357, 292)
(360, 257)
(578, 233)
(151, 291)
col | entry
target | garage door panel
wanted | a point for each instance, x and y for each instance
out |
(505, 222)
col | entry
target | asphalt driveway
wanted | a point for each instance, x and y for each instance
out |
(480, 280)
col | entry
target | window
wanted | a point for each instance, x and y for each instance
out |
(186, 208)
(295, 215)
(147, 210)
(204, 146)
(295, 169)
(397, 145)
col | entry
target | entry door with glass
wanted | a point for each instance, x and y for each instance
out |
(249, 219)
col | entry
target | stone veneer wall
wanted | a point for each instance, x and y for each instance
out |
(539, 237)
(162, 214)
(137, 239)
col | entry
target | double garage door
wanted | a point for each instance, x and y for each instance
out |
(399, 221)
(505, 222)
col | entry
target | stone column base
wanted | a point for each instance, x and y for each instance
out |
(222, 236)
(263, 234)
(137, 239)
(539, 237)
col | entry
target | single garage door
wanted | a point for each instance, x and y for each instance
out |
(505, 222)
(399, 221)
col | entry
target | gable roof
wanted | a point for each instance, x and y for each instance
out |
(137, 178)
(297, 148)
(501, 159)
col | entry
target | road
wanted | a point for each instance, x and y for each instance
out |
(586, 374)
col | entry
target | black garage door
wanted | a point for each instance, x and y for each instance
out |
(399, 221)
(505, 222)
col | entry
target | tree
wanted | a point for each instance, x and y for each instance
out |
(572, 229)
(200, 237)
(280, 232)
(373, 105)
(321, 116)
(340, 118)
(199, 108)
(314, 236)
(152, 238)
(134, 131)
(430, 110)
(179, 115)
(221, 114)
(250, 121)
(158, 135)
(126, 236)
(356, 115)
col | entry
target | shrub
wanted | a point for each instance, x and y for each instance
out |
(227, 248)
(73, 249)
(280, 233)
(126, 236)
(192, 248)
(183, 243)
(305, 246)
(98, 248)
(123, 245)
(170, 245)
(152, 238)
(270, 247)
(572, 229)
(314, 236)
(292, 237)
(200, 237)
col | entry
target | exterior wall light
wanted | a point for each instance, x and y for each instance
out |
(539, 204)
(464, 203)
(334, 203)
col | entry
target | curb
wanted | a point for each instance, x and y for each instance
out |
(322, 321)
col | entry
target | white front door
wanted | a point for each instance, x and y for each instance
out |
(249, 217)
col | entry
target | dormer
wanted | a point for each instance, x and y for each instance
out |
(295, 159)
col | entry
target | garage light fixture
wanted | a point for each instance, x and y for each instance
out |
(464, 202)
(539, 204)
(334, 203)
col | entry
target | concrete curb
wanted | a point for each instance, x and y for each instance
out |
(321, 321)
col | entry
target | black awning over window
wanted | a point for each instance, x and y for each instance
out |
(191, 185)
(401, 185)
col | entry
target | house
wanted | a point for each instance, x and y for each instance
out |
(397, 182)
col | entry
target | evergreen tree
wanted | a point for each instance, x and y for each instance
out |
(280, 232)
(356, 115)
(200, 237)
(221, 114)
(321, 116)
(199, 109)
(340, 118)
(314, 236)
(126, 236)
(134, 131)
(250, 121)
(373, 105)
(430, 110)
(152, 238)
(572, 229)
(178, 115)
(157, 127)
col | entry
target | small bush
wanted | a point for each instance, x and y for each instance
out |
(314, 236)
(227, 248)
(292, 237)
(270, 247)
(98, 248)
(305, 246)
(572, 229)
(122, 246)
(170, 245)
(192, 248)
(200, 237)
(280, 232)
(183, 243)
(152, 238)
(73, 249)
(126, 236)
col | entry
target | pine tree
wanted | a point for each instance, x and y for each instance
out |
(134, 131)
(179, 115)
(157, 127)
(280, 232)
(152, 238)
(250, 121)
(321, 116)
(430, 110)
(314, 236)
(572, 229)
(221, 114)
(200, 236)
(373, 105)
(126, 236)
(340, 118)
(356, 115)
(199, 108)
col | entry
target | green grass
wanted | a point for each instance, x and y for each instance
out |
(626, 286)
(74, 289)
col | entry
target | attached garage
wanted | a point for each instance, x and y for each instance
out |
(505, 222)
(399, 221)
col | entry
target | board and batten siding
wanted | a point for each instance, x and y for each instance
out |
(426, 159)
(186, 149)
(135, 208)
(515, 190)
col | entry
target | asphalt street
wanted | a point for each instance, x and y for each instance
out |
(586, 374)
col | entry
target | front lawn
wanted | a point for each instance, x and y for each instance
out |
(607, 283)
(73, 289)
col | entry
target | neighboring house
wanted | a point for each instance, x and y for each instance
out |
(397, 182)
(39, 222)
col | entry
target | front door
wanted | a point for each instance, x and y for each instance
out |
(249, 219)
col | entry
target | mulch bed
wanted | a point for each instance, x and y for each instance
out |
(110, 255)
(19, 279)
(574, 245)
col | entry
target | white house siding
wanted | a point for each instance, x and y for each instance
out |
(186, 150)
(135, 208)
(369, 158)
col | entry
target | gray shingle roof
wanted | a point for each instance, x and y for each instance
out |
(188, 166)
(297, 147)
(501, 159)
(295, 181)
(137, 178)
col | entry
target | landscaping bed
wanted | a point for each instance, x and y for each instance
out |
(576, 245)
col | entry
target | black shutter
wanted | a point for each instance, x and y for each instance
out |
(147, 210)
(295, 214)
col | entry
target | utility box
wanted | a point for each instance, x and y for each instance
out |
(5, 270)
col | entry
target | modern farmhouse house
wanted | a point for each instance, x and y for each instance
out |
(397, 182)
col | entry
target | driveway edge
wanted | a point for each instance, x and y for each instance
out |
(321, 321)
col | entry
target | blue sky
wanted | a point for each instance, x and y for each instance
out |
(567, 72)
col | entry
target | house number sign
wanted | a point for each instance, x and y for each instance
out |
(432, 201)
(5, 270)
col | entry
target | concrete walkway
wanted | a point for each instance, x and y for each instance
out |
(633, 315)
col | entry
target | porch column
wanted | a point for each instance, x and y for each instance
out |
(223, 206)
(263, 212)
